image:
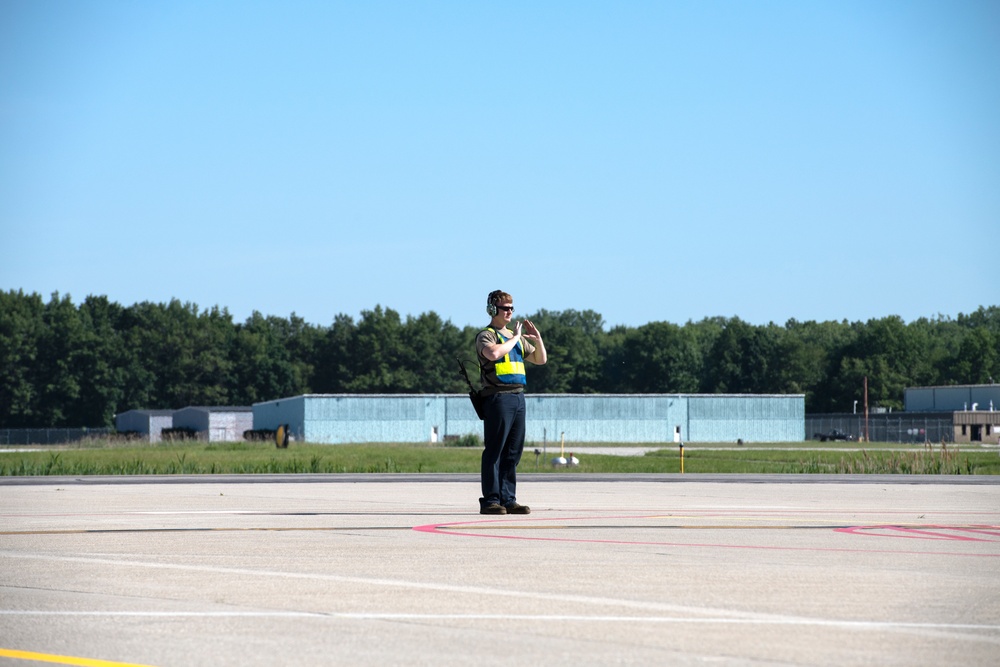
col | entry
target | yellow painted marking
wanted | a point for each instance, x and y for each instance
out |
(63, 659)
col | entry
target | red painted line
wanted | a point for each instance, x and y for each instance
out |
(921, 534)
(982, 530)
(935, 535)
(451, 529)
(657, 511)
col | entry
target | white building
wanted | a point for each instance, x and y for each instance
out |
(215, 424)
(149, 423)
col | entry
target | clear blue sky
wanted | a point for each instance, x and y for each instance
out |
(651, 161)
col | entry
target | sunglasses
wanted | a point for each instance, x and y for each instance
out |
(506, 309)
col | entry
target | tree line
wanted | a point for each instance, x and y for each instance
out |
(78, 365)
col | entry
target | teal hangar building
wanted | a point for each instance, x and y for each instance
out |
(582, 418)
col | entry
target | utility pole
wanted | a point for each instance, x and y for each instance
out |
(866, 408)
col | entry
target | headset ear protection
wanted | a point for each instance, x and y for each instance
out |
(491, 302)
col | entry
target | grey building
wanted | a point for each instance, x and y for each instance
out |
(215, 423)
(956, 413)
(977, 427)
(149, 423)
(974, 408)
(955, 398)
(346, 418)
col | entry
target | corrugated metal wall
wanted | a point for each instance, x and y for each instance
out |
(193, 418)
(344, 418)
(228, 426)
(606, 418)
(747, 418)
(215, 425)
(291, 411)
(145, 421)
(386, 418)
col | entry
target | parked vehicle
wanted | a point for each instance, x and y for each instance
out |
(835, 434)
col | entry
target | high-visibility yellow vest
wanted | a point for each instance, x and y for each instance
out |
(511, 369)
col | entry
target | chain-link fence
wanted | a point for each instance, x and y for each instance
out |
(50, 436)
(898, 427)
(892, 427)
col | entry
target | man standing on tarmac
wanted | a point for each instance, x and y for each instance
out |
(502, 353)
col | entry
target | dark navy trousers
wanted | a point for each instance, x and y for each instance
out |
(503, 434)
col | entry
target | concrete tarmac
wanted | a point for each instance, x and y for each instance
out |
(402, 570)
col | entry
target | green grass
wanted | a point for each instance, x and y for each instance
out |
(103, 458)
(238, 458)
(934, 460)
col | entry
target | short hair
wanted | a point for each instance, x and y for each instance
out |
(497, 297)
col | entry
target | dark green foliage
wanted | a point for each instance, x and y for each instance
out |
(468, 440)
(65, 365)
(20, 330)
(576, 369)
(656, 358)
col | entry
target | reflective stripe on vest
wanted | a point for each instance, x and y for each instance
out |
(511, 369)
